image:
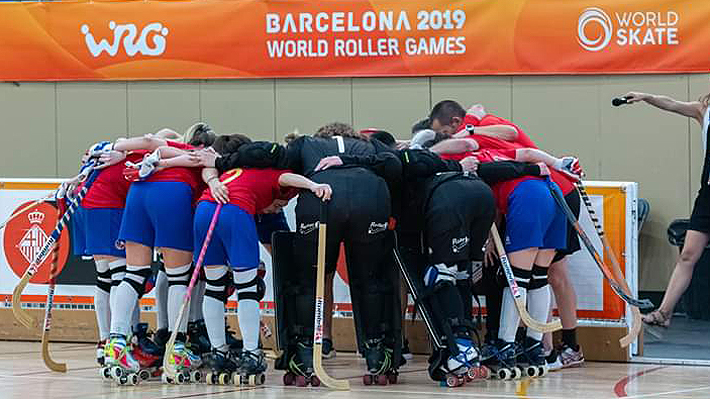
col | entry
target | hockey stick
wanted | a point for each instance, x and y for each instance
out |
(23, 210)
(169, 366)
(21, 315)
(329, 381)
(635, 328)
(51, 364)
(643, 304)
(515, 291)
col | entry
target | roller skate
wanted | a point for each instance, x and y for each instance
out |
(119, 363)
(234, 343)
(160, 338)
(146, 352)
(380, 369)
(501, 360)
(252, 365)
(185, 362)
(100, 351)
(532, 358)
(198, 339)
(223, 367)
(300, 367)
(462, 367)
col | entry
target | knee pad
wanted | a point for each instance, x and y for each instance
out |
(217, 282)
(103, 276)
(539, 277)
(178, 275)
(255, 289)
(117, 269)
(438, 275)
(136, 276)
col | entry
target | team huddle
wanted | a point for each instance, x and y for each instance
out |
(424, 213)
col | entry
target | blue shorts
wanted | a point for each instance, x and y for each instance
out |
(158, 215)
(234, 240)
(268, 223)
(95, 232)
(534, 220)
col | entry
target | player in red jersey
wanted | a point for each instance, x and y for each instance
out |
(491, 131)
(235, 245)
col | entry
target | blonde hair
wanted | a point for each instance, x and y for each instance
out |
(291, 136)
(339, 129)
(168, 134)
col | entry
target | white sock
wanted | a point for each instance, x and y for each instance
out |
(161, 299)
(136, 316)
(213, 308)
(538, 307)
(178, 278)
(102, 300)
(509, 317)
(122, 308)
(248, 312)
(198, 295)
(118, 271)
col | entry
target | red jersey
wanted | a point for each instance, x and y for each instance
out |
(191, 176)
(110, 188)
(253, 189)
(522, 141)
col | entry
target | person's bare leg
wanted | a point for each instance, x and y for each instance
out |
(566, 299)
(695, 243)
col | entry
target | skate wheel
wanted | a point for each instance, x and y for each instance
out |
(301, 381)
(195, 376)
(144, 375)
(531, 371)
(453, 381)
(517, 373)
(381, 379)
(484, 372)
(224, 378)
(289, 379)
(236, 379)
(368, 379)
(260, 379)
(505, 374)
(542, 371)
(315, 381)
(105, 373)
(209, 378)
(123, 380)
(182, 378)
(392, 378)
(251, 380)
(133, 379)
(116, 372)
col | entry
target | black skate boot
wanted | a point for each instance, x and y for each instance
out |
(197, 338)
(160, 338)
(223, 366)
(532, 357)
(146, 352)
(252, 365)
(380, 369)
(502, 360)
(234, 343)
(300, 366)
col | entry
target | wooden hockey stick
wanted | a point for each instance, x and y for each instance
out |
(329, 381)
(635, 327)
(513, 286)
(21, 315)
(169, 367)
(51, 364)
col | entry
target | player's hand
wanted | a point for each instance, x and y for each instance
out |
(469, 164)
(571, 168)
(219, 191)
(634, 97)
(327, 162)
(110, 158)
(402, 144)
(322, 191)
(477, 110)
(207, 157)
(544, 169)
(489, 254)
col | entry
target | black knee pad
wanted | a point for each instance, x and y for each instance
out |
(117, 270)
(260, 289)
(103, 281)
(137, 279)
(539, 277)
(179, 279)
(217, 289)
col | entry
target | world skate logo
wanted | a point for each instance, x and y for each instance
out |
(126, 34)
(307, 228)
(377, 228)
(596, 16)
(596, 29)
(25, 236)
(458, 244)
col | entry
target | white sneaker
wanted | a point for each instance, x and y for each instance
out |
(567, 357)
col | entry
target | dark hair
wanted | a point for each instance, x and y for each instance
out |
(385, 137)
(230, 143)
(445, 110)
(200, 134)
(421, 125)
(338, 129)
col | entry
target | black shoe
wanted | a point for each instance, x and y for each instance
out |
(328, 349)
(406, 353)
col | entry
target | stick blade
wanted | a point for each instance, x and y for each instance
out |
(20, 314)
(330, 382)
(51, 364)
(634, 329)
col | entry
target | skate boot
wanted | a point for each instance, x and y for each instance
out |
(252, 365)
(380, 369)
(185, 362)
(223, 366)
(502, 360)
(146, 352)
(100, 351)
(300, 367)
(464, 366)
(532, 358)
(160, 338)
(234, 343)
(198, 339)
(119, 364)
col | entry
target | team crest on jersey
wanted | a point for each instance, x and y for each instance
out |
(120, 245)
(27, 233)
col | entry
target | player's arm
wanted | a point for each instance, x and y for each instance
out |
(692, 109)
(259, 154)
(455, 146)
(219, 191)
(322, 191)
(503, 132)
(567, 165)
(150, 143)
(423, 163)
(494, 172)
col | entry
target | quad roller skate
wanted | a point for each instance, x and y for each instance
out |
(380, 369)
(186, 363)
(100, 351)
(160, 338)
(531, 356)
(223, 367)
(234, 343)
(252, 365)
(501, 360)
(463, 367)
(300, 367)
(119, 363)
(146, 352)
(198, 339)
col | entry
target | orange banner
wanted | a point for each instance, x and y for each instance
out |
(112, 40)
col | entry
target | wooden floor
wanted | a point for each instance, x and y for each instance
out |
(23, 375)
